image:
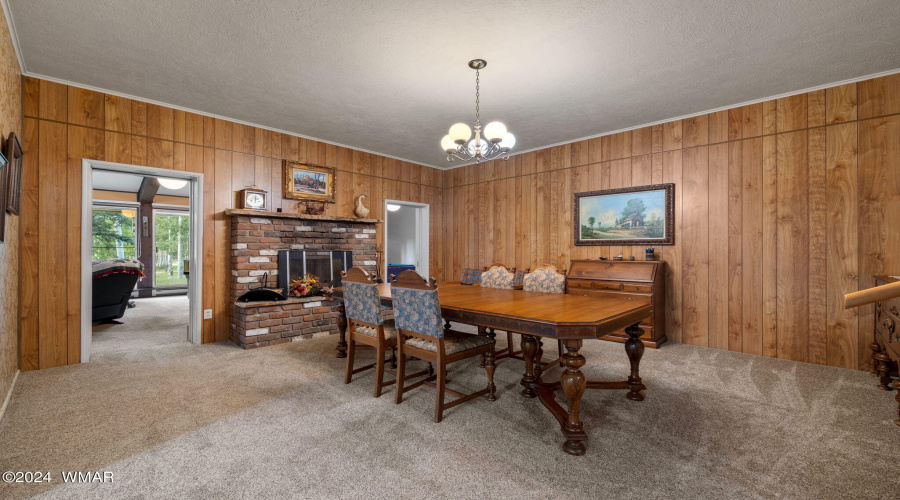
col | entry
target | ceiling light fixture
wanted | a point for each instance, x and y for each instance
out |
(172, 183)
(392, 208)
(494, 143)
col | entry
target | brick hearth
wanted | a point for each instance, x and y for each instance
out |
(256, 238)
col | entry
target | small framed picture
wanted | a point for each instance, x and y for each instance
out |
(4, 188)
(641, 215)
(14, 154)
(308, 182)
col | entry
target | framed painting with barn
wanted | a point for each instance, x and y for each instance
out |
(641, 215)
(308, 182)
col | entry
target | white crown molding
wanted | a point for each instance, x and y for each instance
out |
(12, 34)
(723, 108)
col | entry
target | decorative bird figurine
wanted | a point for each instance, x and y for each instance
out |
(361, 211)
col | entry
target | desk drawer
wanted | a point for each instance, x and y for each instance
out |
(630, 287)
(616, 287)
(579, 284)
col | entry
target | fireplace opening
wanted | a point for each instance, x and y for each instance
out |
(324, 264)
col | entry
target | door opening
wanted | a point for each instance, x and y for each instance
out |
(406, 238)
(141, 258)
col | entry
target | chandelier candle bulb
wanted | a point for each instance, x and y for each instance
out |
(494, 131)
(460, 133)
(448, 144)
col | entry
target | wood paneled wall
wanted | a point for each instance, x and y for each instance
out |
(10, 121)
(64, 124)
(780, 208)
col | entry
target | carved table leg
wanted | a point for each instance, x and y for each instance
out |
(483, 332)
(529, 346)
(884, 368)
(538, 354)
(897, 398)
(488, 359)
(573, 384)
(342, 331)
(634, 348)
(876, 348)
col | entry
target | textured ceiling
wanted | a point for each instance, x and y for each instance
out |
(390, 76)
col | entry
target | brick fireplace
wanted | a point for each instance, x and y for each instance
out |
(256, 240)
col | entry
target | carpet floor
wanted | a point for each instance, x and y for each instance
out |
(153, 323)
(215, 421)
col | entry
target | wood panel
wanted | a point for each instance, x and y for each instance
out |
(842, 252)
(65, 124)
(695, 256)
(718, 251)
(792, 249)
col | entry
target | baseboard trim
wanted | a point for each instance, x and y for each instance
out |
(9, 395)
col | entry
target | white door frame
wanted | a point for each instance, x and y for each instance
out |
(423, 218)
(195, 253)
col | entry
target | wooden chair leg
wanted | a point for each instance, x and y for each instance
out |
(379, 370)
(441, 383)
(562, 350)
(394, 358)
(401, 371)
(351, 353)
(509, 343)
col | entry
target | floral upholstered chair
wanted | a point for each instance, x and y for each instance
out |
(366, 325)
(545, 279)
(500, 276)
(421, 335)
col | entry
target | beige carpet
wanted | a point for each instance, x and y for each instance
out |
(218, 422)
(153, 323)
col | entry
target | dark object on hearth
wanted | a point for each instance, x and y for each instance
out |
(111, 287)
(263, 293)
(602, 258)
(631, 258)
(311, 207)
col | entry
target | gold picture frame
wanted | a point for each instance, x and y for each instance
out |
(308, 182)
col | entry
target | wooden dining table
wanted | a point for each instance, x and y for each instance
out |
(569, 318)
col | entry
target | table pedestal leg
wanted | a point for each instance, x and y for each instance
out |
(529, 348)
(634, 348)
(342, 331)
(573, 384)
(488, 360)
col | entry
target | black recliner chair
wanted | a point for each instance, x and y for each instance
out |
(114, 280)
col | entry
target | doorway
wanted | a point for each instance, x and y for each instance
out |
(142, 236)
(406, 237)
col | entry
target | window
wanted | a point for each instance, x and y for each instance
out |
(113, 233)
(171, 234)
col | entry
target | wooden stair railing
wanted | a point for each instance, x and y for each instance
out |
(871, 295)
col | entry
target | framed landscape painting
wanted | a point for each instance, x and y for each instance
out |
(308, 182)
(639, 215)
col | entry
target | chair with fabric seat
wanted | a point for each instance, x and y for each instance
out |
(545, 279)
(366, 325)
(421, 335)
(500, 276)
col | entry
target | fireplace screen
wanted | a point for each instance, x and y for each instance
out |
(326, 265)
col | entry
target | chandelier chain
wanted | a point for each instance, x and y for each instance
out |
(477, 98)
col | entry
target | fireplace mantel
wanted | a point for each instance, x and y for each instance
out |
(289, 215)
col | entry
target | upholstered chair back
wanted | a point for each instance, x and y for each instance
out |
(470, 277)
(361, 300)
(546, 279)
(417, 308)
(498, 276)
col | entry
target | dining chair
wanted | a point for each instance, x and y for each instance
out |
(366, 325)
(545, 279)
(421, 335)
(500, 276)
